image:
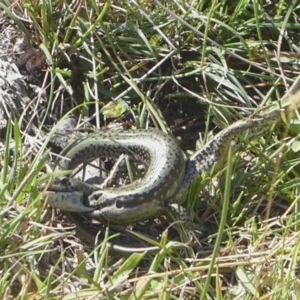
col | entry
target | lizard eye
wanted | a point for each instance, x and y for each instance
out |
(94, 197)
(119, 204)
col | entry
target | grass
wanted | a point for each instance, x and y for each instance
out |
(185, 67)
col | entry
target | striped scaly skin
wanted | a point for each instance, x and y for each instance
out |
(140, 200)
(167, 179)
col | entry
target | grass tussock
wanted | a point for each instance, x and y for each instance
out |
(185, 67)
